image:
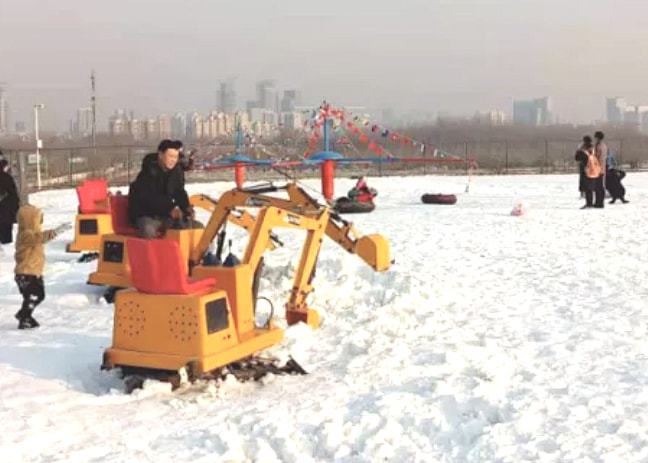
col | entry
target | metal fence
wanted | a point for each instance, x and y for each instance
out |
(66, 167)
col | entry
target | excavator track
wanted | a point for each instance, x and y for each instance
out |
(250, 369)
(255, 368)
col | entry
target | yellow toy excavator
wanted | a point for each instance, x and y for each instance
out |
(170, 321)
(93, 218)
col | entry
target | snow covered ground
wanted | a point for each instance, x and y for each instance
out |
(492, 338)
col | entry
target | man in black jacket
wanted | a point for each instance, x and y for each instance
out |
(157, 199)
(9, 202)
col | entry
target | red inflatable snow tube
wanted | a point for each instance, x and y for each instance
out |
(438, 199)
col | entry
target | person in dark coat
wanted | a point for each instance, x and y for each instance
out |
(585, 186)
(614, 186)
(186, 161)
(9, 202)
(157, 199)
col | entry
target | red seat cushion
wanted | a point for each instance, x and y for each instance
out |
(119, 215)
(157, 267)
(90, 192)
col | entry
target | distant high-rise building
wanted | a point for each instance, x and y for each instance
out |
(179, 125)
(118, 123)
(164, 126)
(636, 116)
(151, 129)
(289, 101)
(137, 129)
(196, 126)
(536, 112)
(292, 120)
(266, 94)
(620, 112)
(21, 127)
(616, 108)
(256, 114)
(83, 125)
(227, 97)
(4, 110)
(493, 117)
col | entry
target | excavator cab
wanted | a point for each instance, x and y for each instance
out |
(113, 267)
(93, 217)
(169, 321)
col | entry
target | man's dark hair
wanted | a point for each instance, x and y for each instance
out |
(177, 144)
(587, 140)
(599, 135)
(166, 144)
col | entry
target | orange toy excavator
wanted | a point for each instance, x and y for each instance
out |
(203, 317)
(93, 219)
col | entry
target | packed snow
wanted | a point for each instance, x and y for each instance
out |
(492, 338)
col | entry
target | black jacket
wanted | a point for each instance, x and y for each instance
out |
(8, 199)
(155, 192)
(581, 158)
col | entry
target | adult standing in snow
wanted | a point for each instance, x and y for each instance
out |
(601, 152)
(584, 183)
(157, 199)
(8, 202)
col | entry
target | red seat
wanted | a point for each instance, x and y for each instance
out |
(90, 192)
(119, 214)
(157, 267)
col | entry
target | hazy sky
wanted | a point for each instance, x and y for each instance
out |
(454, 56)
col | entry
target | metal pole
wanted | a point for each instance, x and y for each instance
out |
(424, 163)
(24, 187)
(70, 157)
(546, 162)
(506, 150)
(38, 145)
(128, 164)
(466, 155)
(94, 114)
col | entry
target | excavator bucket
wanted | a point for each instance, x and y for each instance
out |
(374, 250)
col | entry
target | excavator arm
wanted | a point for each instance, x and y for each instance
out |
(239, 217)
(315, 225)
(372, 249)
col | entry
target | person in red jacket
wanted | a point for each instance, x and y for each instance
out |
(361, 192)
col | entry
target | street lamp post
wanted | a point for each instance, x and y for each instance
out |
(39, 144)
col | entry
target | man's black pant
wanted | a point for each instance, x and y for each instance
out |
(32, 289)
(599, 191)
(595, 193)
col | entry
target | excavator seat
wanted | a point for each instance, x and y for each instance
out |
(93, 219)
(93, 196)
(119, 214)
(157, 268)
(113, 267)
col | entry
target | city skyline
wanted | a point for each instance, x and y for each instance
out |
(420, 55)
